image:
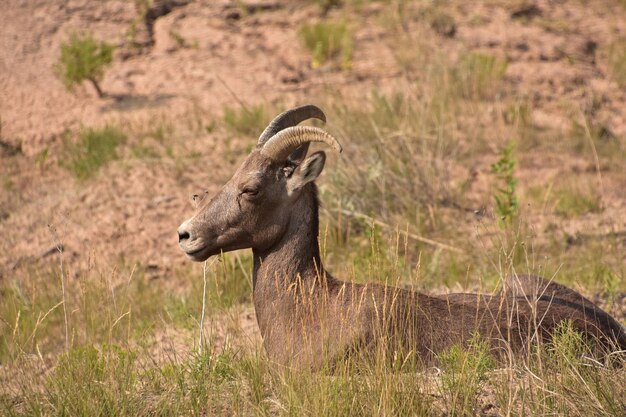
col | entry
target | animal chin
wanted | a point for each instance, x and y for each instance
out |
(199, 255)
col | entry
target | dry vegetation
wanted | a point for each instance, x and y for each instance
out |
(479, 140)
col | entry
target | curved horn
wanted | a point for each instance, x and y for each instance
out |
(290, 118)
(280, 146)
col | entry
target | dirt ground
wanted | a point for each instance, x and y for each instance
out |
(234, 51)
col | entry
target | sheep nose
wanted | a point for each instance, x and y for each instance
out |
(183, 234)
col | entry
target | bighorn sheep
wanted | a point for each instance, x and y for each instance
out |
(308, 318)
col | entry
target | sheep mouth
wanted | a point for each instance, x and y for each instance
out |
(197, 253)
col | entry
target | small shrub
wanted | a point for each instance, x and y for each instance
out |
(84, 58)
(506, 200)
(94, 149)
(328, 41)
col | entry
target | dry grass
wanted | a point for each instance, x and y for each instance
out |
(408, 148)
(111, 368)
(416, 167)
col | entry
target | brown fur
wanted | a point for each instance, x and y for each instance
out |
(309, 319)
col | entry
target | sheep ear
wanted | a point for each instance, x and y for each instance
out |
(298, 155)
(310, 169)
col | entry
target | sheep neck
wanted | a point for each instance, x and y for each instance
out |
(296, 255)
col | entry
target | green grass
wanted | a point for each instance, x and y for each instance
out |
(574, 202)
(465, 373)
(103, 307)
(591, 137)
(229, 284)
(117, 364)
(155, 142)
(92, 149)
(246, 120)
(328, 41)
(114, 380)
(564, 382)
(111, 380)
(402, 162)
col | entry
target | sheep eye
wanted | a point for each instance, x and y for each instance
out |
(250, 192)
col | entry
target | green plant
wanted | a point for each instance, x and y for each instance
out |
(84, 58)
(465, 372)
(568, 347)
(506, 199)
(328, 41)
(87, 381)
(611, 282)
(93, 149)
(228, 284)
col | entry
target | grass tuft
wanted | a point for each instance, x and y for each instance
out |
(479, 74)
(572, 202)
(465, 372)
(93, 149)
(246, 120)
(328, 41)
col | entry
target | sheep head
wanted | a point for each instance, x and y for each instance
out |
(252, 210)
